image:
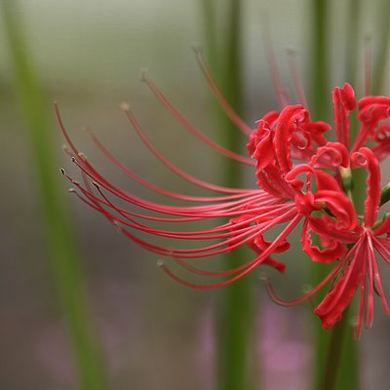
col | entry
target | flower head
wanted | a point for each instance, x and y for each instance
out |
(354, 249)
(302, 180)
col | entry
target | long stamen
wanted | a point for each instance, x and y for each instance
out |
(186, 176)
(283, 302)
(273, 65)
(379, 285)
(298, 83)
(367, 65)
(190, 127)
(251, 265)
(201, 233)
(205, 212)
(152, 186)
(193, 235)
(180, 253)
(230, 208)
(231, 114)
(292, 302)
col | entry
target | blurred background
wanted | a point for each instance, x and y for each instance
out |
(154, 333)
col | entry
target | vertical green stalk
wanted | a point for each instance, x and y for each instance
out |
(210, 32)
(382, 37)
(334, 358)
(353, 40)
(64, 262)
(320, 61)
(319, 100)
(234, 328)
(335, 351)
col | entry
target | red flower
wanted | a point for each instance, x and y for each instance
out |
(301, 177)
(357, 248)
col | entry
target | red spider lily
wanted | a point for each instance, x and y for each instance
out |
(353, 250)
(302, 178)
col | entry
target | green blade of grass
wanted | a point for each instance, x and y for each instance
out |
(64, 262)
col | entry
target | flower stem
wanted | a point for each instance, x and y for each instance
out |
(234, 328)
(385, 196)
(64, 263)
(235, 317)
(337, 347)
(383, 36)
(320, 64)
(335, 351)
(234, 335)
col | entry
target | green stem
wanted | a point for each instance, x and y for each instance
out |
(353, 15)
(334, 353)
(235, 305)
(319, 73)
(235, 317)
(235, 335)
(383, 25)
(353, 39)
(320, 63)
(328, 346)
(64, 261)
(385, 196)
(210, 29)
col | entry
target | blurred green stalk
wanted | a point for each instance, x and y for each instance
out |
(235, 314)
(320, 63)
(64, 261)
(335, 352)
(382, 36)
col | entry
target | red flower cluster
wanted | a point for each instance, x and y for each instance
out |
(303, 180)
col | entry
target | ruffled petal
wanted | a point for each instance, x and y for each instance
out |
(366, 158)
(328, 254)
(343, 102)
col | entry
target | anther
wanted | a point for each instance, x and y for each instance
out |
(263, 277)
(117, 225)
(82, 156)
(124, 106)
(197, 49)
(160, 263)
(65, 148)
